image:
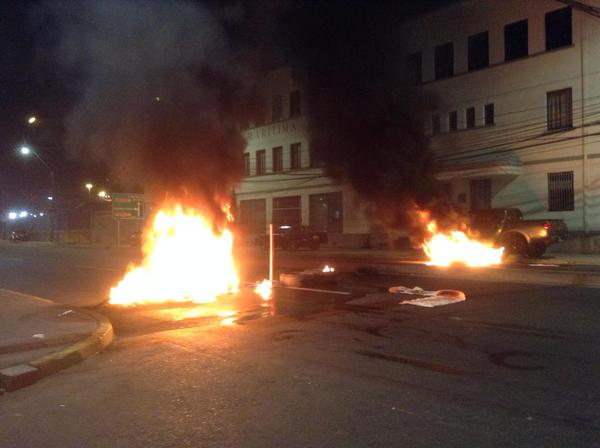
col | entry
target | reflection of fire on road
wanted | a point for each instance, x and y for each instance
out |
(184, 261)
(264, 289)
(454, 246)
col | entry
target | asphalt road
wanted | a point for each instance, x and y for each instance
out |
(513, 365)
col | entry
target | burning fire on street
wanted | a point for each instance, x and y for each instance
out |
(445, 248)
(184, 260)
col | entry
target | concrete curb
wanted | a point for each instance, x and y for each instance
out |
(16, 377)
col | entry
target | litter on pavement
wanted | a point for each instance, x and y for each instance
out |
(429, 299)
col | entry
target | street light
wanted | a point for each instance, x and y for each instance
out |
(89, 187)
(32, 119)
(27, 151)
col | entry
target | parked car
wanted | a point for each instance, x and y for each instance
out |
(289, 237)
(524, 237)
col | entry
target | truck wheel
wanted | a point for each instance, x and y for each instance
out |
(536, 250)
(515, 245)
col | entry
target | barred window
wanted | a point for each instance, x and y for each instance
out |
(489, 114)
(277, 159)
(295, 156)
(561, 196)
(246, 164)
(260, 162)
(559, 109)
(470, 115)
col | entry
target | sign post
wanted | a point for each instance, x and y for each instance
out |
(126, 206)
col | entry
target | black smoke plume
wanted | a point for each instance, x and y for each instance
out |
(161, 90)
(365, 117)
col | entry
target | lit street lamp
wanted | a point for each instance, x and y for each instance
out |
(89, 187)
(27, 151)
(32, 119)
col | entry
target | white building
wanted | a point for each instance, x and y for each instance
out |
(281, 185)
(517, 122)
(518, 84)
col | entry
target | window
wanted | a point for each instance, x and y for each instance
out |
(558, 28)
(260, 162)
(444, 61)
(470, 116)
(295, 103)
(559, 109)
(479, 51)
(287, 211)
(295, 156)
(435, 124)
(414, 68)
(277, 108)
(277, 159)
(325, 212)
(489, 117)
(246, 164)
(561, 196)
(516, 40)
(453, 121)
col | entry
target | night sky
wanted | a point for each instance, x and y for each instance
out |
(34, 82)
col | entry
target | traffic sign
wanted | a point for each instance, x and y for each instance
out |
(127, 205)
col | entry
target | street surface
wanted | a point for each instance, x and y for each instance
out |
(513, 365)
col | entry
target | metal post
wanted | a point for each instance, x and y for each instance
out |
(271, 253)
(584, 166)
(118, 232)
(52, 208)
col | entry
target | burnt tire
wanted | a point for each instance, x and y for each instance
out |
(515, 245)
(536, 250)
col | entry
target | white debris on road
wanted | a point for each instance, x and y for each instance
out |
(429, 299)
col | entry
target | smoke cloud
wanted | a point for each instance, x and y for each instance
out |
(365, 118)
(161, 91)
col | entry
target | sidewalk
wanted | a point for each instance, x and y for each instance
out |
(39, 337)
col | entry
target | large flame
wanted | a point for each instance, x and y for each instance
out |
(447, 248)
(184, 261)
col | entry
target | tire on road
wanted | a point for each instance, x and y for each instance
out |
(515, 245)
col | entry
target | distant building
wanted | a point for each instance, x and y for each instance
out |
(518, 122)
(282, 185)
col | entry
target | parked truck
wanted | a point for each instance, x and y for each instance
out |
(292, 237)
(523, 237)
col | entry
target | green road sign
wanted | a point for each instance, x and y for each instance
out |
(127, 205)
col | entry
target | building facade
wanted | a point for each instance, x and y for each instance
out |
(517, 122)
(282, 185)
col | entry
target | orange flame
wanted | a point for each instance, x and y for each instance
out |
(454, 246)
(184, 261)
(328, 268)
